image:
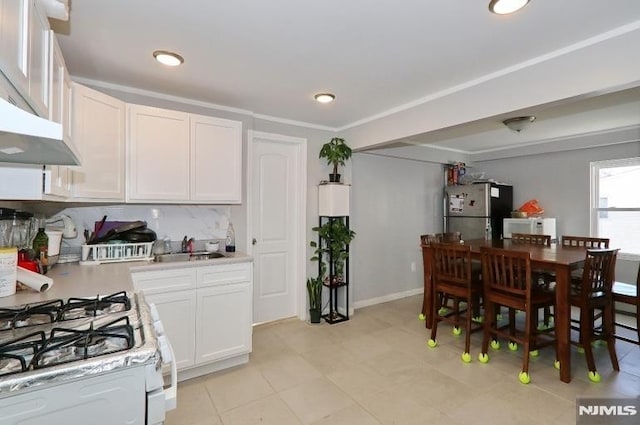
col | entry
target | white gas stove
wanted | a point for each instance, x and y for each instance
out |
(63, 361)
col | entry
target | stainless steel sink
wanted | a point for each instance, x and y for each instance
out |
(186, 256)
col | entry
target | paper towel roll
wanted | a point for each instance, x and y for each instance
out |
(34, 280)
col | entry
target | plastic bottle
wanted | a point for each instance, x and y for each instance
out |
(230, 245)
(41, 247)
(488, 232)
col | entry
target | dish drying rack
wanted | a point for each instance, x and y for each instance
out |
(116, 253)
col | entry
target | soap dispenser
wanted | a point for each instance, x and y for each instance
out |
(230, 245)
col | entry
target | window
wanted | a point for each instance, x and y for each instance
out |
(615, 204)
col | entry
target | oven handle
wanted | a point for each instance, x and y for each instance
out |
(171, 393)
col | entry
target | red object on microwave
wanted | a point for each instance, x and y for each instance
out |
(532, 208)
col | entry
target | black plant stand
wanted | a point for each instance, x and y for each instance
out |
(335, 286)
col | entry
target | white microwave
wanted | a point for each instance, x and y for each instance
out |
(534, 226)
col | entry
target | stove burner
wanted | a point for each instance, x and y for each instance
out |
(96, 308)
(16, 354)
(76, 308)
(30, 315)
(92, 346)
(67, 345)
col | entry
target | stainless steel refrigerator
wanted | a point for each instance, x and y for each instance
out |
(470, 209)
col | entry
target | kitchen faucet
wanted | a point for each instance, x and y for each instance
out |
(187, 245)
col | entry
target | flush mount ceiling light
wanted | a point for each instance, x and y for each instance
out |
(324, 97)
(168, 58)
(518, 124)
(504, 7)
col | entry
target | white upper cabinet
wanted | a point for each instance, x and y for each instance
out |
(38, 74)
(24, 51)
(58, 178)
(99, 133)
(158, 155)
(178, 157)
(14, 42)
(216, 160)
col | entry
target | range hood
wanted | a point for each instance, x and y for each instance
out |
(26, 138)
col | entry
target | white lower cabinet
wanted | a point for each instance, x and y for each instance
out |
(177, 312)
(206, 312)
(218, 337)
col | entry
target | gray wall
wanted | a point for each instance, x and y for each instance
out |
(561, 182)
(394, 201)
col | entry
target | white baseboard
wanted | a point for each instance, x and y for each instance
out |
(387, 298)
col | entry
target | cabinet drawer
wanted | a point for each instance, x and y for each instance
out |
(223, 274)
(164, 280)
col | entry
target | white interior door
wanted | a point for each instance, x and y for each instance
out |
(277, 210)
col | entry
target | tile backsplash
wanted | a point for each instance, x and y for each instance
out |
(173, 221)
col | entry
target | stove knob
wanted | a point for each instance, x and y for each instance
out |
(158, 327)
(165, 351)
(155, 316)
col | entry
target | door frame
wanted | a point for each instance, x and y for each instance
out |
(300, 221)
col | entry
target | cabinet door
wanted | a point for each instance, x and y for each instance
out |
(57, 180)
(216, 160)
(38, 74)
(14, 42)
(177, 314)
(223, 326)
(158, 155)
(98, 133)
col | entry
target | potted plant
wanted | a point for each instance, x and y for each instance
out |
(314, 290)
(335, 236)
(336, 152)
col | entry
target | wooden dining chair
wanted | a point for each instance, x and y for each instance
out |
(585, 242)
(428, 240)
(453, 278)
(530, 239)
(507, 281)
(592, 296)
(541, 277)
(627, 293)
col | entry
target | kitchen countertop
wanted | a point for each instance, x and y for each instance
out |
(74, 280)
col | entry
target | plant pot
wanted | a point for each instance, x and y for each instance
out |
(334, 178)
(315, 315)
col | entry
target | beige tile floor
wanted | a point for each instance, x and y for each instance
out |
(377, 369)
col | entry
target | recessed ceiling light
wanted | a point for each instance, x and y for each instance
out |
(504, 7)
(168, 58)
(324, 97)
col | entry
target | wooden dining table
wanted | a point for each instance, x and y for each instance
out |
(558, 259)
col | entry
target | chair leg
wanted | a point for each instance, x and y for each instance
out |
(608, 326)
(435, 315)
(638, 319)
(467, 341)
(489, 322)
(586, 334)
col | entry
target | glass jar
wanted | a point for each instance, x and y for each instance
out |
(21, 229)
(6, 224)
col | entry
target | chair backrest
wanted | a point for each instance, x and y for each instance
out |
(531, 239)
(585, 242)
(439, 238)
(452, 264)
(598, 273)
(506, 271)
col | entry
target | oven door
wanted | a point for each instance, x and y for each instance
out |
(160, 398)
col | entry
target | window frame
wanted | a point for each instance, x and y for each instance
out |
(594, 202)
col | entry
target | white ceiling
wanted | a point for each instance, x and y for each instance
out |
(270, 57)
